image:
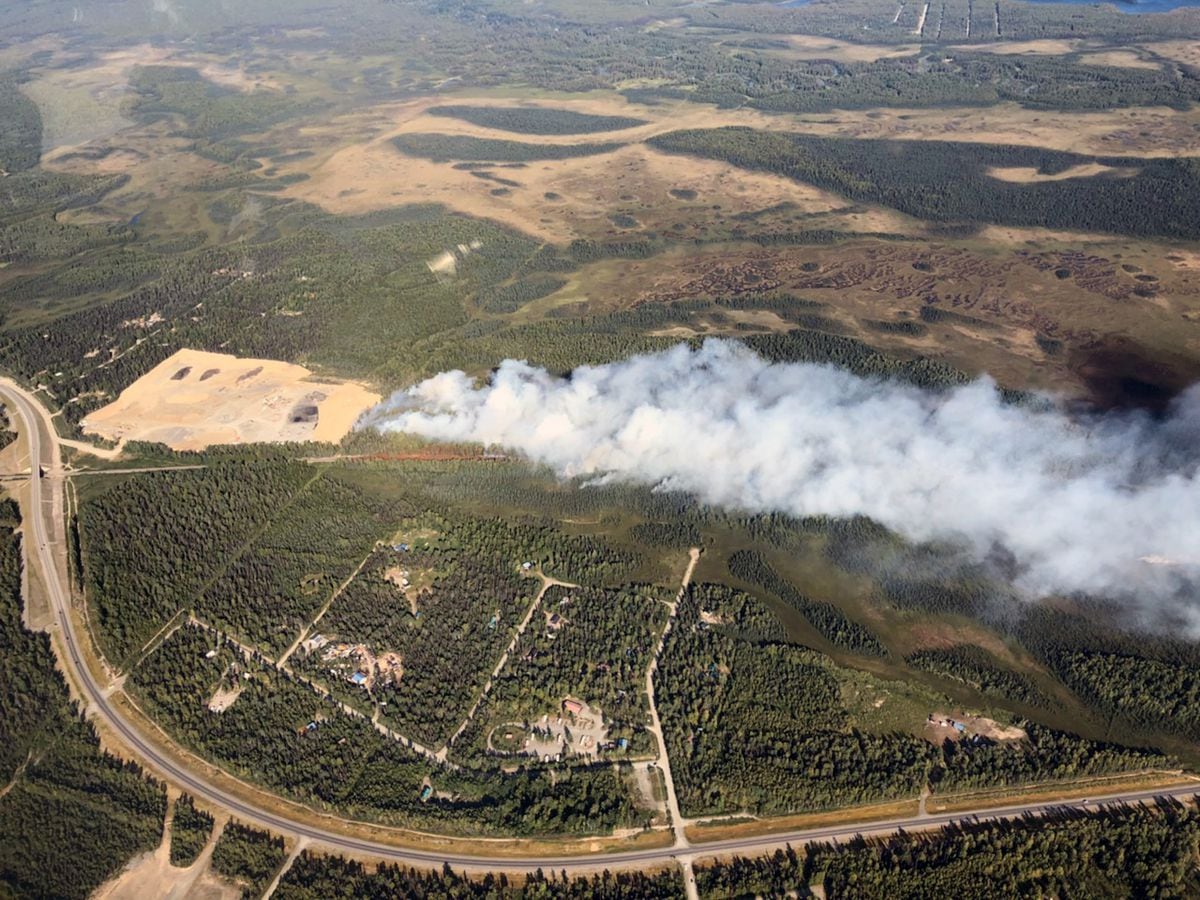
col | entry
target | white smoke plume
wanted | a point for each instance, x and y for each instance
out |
(1093, 504)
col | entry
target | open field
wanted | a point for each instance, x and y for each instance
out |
(554, 200)
(337, 177)
(807, 46)
(1181, 51)
(194, 400)
(1030, 175)
(83, 103)
(1086, 51)
(348, 166)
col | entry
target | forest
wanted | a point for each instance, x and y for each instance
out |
(1143, 197)
(21, 140)
(440, 593)
(831, 622)
(273, 585)
(753, 724)
(1133, 851)
(105, 271)
(535, 119)
(210, 111)
(278, 732)
(62, 791)
(248, 857)
(730, 679)
(448, 626)
(1046, 755)
(30, 232)
(447, 147)
(313, 877)
(146, 558)
(449, 633)
(370, 295)
(590, 644)
(190, 831)
(1142, 682)
(978, 668)
(1020, 21)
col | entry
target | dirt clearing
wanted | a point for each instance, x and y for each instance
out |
(1122, 59)
(1181, 51)
(805, 46)
(224, 697)
(1047, 47)
(197, 399)
(1030, 175)
(942, 727)
(152, 875)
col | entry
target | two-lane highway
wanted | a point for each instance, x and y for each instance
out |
(44, 531)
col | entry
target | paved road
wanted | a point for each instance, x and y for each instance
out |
(44, 529)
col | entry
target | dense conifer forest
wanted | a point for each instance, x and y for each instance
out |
(62, 791)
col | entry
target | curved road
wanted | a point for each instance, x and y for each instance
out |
(44, 452)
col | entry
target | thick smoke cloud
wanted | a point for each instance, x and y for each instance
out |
(1108, 505)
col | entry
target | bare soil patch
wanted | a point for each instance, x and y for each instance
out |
(224, 697)
(644, 784)
(83, 103)
(412, 583)
(1123, 59)
(806, 46)
(576, 729)
(1100, 56)
(152, 875)
(1030, 175)
(245, 401)
(816, 47)
(962, 726)
(560, 199)
(705, 832)
(1061, 790)
(932, 635)
(1045, 47)
(1181, 51)
(155, 162)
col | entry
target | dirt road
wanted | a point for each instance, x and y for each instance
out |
(677, 822)
(547, 583)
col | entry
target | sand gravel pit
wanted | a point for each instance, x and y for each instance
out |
(196, 399)
(152, 875)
